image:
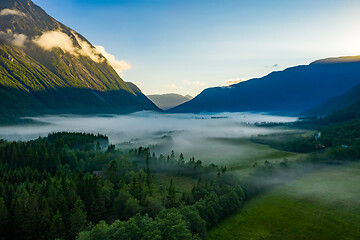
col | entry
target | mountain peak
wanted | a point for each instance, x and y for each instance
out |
(292, 90)
(26, 26)
(25, 17)
(347, 59)
(49, 68)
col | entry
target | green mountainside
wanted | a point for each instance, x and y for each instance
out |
(64, 74)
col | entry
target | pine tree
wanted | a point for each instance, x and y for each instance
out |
(98, 146)
(3, 218)
(181, 159)
(57, 227)
(148, 179)
(171, 198)
(77, 218)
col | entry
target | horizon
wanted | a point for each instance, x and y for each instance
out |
(185, 47)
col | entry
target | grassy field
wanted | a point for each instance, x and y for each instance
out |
(238, 152)
(241, 160)
(322, 206)
(256, 153)
(227, 151)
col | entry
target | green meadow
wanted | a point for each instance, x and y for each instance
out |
(237, 153)
(246, 153)
(322, 205)
(240, 156)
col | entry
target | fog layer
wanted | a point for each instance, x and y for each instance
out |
(209, 137)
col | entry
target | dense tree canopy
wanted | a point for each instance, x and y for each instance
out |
(75, 185)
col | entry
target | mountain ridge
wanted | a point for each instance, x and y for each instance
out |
(290, 91)
(48, 68)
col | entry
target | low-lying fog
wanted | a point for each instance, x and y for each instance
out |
(209, 137)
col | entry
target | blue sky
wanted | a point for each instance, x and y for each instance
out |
(184, 46)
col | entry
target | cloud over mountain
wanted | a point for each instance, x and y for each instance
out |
(72, 44)
(9, 12)
(15, 39)
(58, 39)
(118, 65)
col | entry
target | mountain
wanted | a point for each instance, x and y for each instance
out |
(48, 68)
(348, 113)
(140, 95)
(170, 100)
(293, 90)
(335, 104)
(341, 130)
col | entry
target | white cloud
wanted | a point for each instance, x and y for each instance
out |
(19, 40)
(189, 85)
(15, 39)
(87, 50)
(194, 83)
(56, 39)
(118, 65)
(232, 81)
(170, 86)
(9, 12)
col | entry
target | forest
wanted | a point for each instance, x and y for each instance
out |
(78, 186)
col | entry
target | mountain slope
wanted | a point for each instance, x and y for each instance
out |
(170, 100)
(349, 113)
(341, 132)
(293, 90)
(335, 104)
(138, 92)
(46, 67)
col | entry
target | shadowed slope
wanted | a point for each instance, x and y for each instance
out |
(290, 91)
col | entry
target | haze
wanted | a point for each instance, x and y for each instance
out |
(213, 138)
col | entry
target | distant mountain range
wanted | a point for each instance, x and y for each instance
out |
(170, 100)
(48, 68)
(291, 91)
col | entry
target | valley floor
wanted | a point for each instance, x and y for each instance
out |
(323, 205)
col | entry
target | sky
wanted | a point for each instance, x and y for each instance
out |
(185, 46)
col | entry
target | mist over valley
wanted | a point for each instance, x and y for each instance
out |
(179, 120)
(219, 138)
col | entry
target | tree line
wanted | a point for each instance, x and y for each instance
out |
(77, 186)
